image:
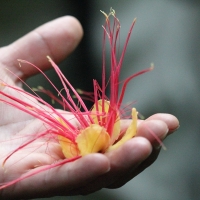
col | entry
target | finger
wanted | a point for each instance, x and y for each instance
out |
(122, 160)
(170, 120)
(57, 39)
(132, 173)
(157, 124)
(60, 180)
(154, 130)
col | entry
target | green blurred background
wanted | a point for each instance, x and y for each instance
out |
(166, 33)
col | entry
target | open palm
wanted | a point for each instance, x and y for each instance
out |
(87, 174)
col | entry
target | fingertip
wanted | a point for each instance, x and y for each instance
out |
(142, 146)
(153, 130)
(72, 32)
(171, 121)
(61, 36)
(77, 30)
(131, 153)
(98, 162)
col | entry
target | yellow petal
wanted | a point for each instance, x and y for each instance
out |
(98, 111)
(102, 120)
(68, 147)
(130, 132)
(93, 139)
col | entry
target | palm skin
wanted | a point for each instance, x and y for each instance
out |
(87, 174)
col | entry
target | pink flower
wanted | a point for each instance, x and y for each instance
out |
(98, 129)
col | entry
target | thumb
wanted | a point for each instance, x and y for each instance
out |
(57, 38)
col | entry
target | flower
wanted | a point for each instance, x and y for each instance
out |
(98, 129)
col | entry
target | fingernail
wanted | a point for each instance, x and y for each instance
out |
(174, 130)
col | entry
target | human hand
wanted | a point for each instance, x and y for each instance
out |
(87, 174)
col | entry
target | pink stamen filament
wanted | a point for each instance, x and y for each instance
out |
(126, 83)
